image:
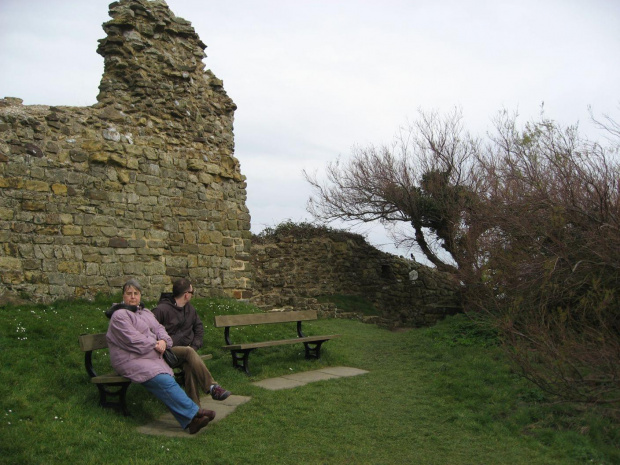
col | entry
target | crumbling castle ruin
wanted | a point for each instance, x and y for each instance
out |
(145, 184)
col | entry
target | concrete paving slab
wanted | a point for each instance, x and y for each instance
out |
(299, 379)
(343, 371)
(275, 384)
(310, 376)
(166, 425)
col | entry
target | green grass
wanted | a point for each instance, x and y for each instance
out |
(441, 395)
(350, 303)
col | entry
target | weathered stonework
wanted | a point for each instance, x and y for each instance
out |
(291, 273)
(143, 184)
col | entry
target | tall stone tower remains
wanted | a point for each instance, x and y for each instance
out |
(142, 184)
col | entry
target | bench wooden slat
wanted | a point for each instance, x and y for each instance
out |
(109, 378)
(264, 318)
(93, 342)
(256, 345)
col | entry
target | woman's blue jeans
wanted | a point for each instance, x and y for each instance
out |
(166, 389)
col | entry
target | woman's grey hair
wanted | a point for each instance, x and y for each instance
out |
(132, 283)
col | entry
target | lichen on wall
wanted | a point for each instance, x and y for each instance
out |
(142, 184)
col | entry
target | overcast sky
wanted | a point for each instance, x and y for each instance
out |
(313, 78)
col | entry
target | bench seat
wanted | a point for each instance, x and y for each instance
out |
(295, 340)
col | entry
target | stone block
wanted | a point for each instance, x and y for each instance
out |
(176, 262)
(125, 251)
(137, 243)
(59, 189)
(176, 272)
(117, 159)
(51, 230)
(71, 267)
(36, 186)
(32, 205)
(71, 230)
(12, 277)
(91, 269)
(99, 157)
(110, 269)
(35, 277)
(118, 242)
(6, 214)
(10, 264)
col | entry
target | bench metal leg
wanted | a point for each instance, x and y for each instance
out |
(313, 352)
(119, 393)
(240, 359)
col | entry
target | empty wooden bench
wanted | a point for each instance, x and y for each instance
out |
(241, 352)
(112, 387)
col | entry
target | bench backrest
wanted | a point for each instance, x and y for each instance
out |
(90, 342)
(264, 318)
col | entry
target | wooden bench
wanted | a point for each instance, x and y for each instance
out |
(112, 387)
(241, 352)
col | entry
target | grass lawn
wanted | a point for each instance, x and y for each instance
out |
(441, 395)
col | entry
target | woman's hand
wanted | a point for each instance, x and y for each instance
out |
(160, 346)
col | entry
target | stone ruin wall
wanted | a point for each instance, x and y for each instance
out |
(145, 184)
(292, 272)
(142, 184)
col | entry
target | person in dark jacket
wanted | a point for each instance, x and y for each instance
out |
(175, 312)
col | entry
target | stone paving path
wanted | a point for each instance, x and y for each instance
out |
(166, 425)
(299, 379)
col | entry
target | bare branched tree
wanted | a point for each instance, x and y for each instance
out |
(425, 179)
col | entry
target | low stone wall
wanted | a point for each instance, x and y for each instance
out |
(290, 272)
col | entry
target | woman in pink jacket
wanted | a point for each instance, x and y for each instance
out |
(137, 342)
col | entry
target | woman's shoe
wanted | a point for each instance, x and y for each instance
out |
(198, 423)
(206, 413)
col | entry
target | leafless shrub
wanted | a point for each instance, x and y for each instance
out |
(551, 273)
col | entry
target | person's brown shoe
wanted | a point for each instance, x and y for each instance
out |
(198, 423)
(206, 413)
